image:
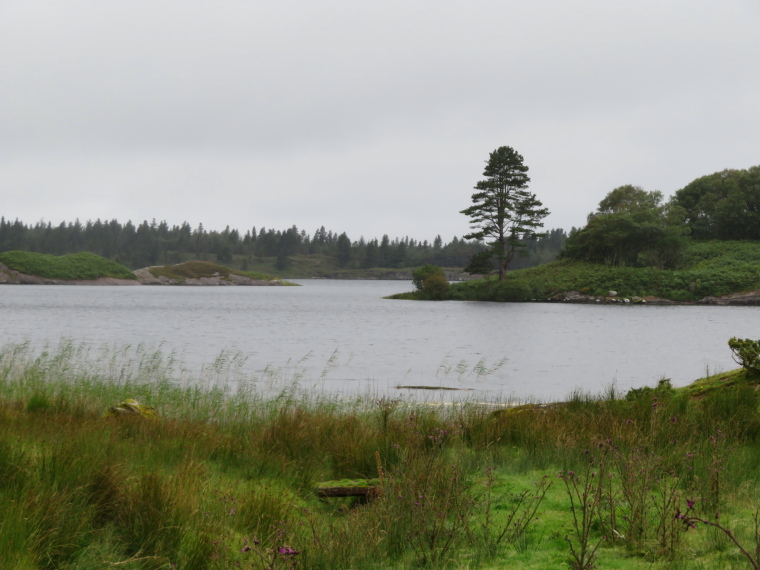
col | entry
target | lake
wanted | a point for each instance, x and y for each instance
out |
(343, 337)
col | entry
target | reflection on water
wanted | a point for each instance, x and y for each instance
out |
(342, 336)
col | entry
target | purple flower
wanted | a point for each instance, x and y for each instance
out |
(690, 504)
(287, 551)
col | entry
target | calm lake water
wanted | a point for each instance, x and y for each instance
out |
(342, 336)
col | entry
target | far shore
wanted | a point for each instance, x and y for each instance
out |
(142, 277)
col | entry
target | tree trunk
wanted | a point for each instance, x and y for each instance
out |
(503, 262)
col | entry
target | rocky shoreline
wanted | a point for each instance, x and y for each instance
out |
(746, 299)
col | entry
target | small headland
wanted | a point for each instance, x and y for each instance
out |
(708, 273)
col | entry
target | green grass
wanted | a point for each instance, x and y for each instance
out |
(349, 483)
(68, 267)
(198, 269)
(226, 476)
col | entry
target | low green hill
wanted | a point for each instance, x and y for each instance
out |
(199, 269)
(75, 266)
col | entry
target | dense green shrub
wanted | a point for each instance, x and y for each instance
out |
(436, 286)
(747, 353)
(431, 281)
(512, 290)
(420, 274)
(663, 390)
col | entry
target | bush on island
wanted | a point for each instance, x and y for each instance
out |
(431, 280)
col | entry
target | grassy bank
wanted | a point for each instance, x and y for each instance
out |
(76, 266)
(712, 268)
(226, 478)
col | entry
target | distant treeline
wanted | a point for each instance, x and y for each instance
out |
(156, 243)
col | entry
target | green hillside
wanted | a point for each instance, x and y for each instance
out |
(75, 266)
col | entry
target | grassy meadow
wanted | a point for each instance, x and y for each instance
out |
(223, 477)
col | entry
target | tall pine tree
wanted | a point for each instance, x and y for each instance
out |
(503, 211)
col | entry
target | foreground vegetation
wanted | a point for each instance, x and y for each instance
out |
(76, 266)
(223, 477)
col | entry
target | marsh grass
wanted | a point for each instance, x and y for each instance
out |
(225, 476)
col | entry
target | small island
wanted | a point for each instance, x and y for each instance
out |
(203, 273)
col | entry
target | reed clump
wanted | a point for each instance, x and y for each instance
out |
(225, 475)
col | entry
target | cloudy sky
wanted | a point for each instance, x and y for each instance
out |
(364, 117)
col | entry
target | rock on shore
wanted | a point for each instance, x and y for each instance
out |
(749, 298)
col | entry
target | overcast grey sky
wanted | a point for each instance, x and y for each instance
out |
(364, 117)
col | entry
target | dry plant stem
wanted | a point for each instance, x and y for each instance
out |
(754, 561)
(584, 505)
(666, 507)
(719, 452)
(522, 513)
(637, 478)
(532, 502)
(435, 527)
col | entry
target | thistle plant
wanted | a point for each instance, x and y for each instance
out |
(585, 492)
(690, 518)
